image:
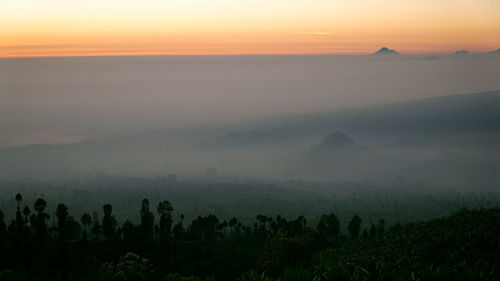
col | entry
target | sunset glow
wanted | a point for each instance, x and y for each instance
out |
(196, 27)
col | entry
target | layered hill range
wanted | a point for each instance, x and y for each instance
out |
(448, 140)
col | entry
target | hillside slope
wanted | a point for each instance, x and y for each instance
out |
(463, 246)
(475, 113)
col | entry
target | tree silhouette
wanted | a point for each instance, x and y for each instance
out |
(333, 225)
(179, 231)
(26, 213)
(204, 228)
(329, 226)
(128, 230)
(147, 220)
(19, 216)
(301, 219)
(19, 198)
(354, 226)
(3, 226)
(108, 222)
(62, 217)
(222, 227)
(232, 225)
(96, 227)
(165, 211)
(86, 220)
(40, 225)
(261, 227)
(72, 229)
(322, 226)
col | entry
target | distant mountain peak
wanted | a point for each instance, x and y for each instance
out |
(386, 51)
(462, 52)
(337, 147)
(336, 140)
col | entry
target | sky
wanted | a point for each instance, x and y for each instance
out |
(31, 28)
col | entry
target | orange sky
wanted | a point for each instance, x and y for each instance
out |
(146, 27)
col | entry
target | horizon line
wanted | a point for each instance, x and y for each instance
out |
(230, 54)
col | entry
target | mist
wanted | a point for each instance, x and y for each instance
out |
(54, 100)
(253, 117)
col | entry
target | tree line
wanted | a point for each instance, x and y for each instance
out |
(34, 225)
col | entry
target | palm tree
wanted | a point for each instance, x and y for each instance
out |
(41, 227)
(26, 213)
(108, 222)
(40, 205)
(86, 220)
(19, 216)
(147, 220)
(62, 216)
(19, 198)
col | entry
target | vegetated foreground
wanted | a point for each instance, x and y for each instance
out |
(462, 246)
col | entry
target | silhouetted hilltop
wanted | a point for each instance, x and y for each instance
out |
(336, 144)
(461, 52)
(386, 51)
(334, 156)
(337, 140)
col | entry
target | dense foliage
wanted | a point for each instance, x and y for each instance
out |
(37, 246)
(464, 246)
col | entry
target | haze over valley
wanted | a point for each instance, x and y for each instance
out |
(238, 140)
(253, 116)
